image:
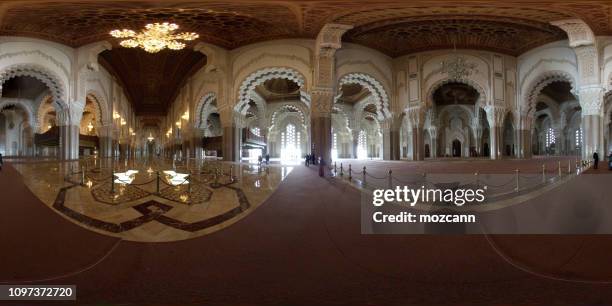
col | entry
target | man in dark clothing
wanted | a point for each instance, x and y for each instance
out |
(595, 160)
(610, 161)
(1, 162)
(267, 159)
(307, 160)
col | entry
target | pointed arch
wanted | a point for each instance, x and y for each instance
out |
(206, 106)
(259, 77)
(378, 92)
(51, 80)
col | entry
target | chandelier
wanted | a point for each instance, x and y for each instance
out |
(155, 37)
(150, 138)
(457, 68)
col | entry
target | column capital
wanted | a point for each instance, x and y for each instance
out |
(416, 116)
(578, 31)
(495, 115)
(591, 100)
(330, 38)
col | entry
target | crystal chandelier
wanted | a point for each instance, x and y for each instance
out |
(150, 138)
(155, 37)
(458, 68)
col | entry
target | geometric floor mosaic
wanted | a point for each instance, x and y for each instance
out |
(149, 209)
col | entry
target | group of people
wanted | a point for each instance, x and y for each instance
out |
(596, 161)
(260, 159)
(310, 159)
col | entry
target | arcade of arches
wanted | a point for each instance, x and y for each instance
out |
(331, 96)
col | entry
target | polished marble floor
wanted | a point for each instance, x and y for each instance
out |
(152, 200)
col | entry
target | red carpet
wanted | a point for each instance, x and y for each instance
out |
(302, 247)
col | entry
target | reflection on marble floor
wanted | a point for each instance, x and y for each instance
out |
(207, 197)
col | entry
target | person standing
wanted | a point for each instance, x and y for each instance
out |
(610, 161)
(267, 159)
(1, 162)
(595, 160)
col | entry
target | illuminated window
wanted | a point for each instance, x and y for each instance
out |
(290, 143)
(256, 131)
(578, 137)
(334, 146)
(362, 144)
(550, 137)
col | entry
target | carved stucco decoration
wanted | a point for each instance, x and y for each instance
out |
(204, 108)
(375, 88)
(259, 77)
(496, 115)
(591, 100)
(43, 75)
(536, 86)
(578, 32)
(328, 41)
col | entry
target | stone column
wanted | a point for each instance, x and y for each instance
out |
(105, 133)
(69, 142)
(416, 119)
(231, 135)
(582, 39)
(495, 116)
(323, 90)
(196, 142)
(391, 138)
(355, 143)
(320, 124)
(591, 100)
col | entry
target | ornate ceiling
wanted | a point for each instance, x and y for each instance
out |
(395, 27)
(385, 25)
(151, 81)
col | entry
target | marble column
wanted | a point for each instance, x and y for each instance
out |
(355, 143)
(391, 143)
(418, 144)
(197, 143)
(328, 41)
(320, 123)
(525, 150)
(69, 142)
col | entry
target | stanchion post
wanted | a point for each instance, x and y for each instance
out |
(477, 179)
(350, 175)
(231, 173)
(335, 169)
(364, 174)
(390, 179)
(83, 175)
(569, 166)
(157, 183)
(517, 179)
(112, 180)
(543, 173)
(188, 183)
(559, 168)
(341, 170)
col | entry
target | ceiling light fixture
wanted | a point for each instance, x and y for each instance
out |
(457, 68)
(150, 138)
(155, 37)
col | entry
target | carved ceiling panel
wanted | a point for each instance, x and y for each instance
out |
(503, 35)
(151, 81)
(221, 23)
(235, 23)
